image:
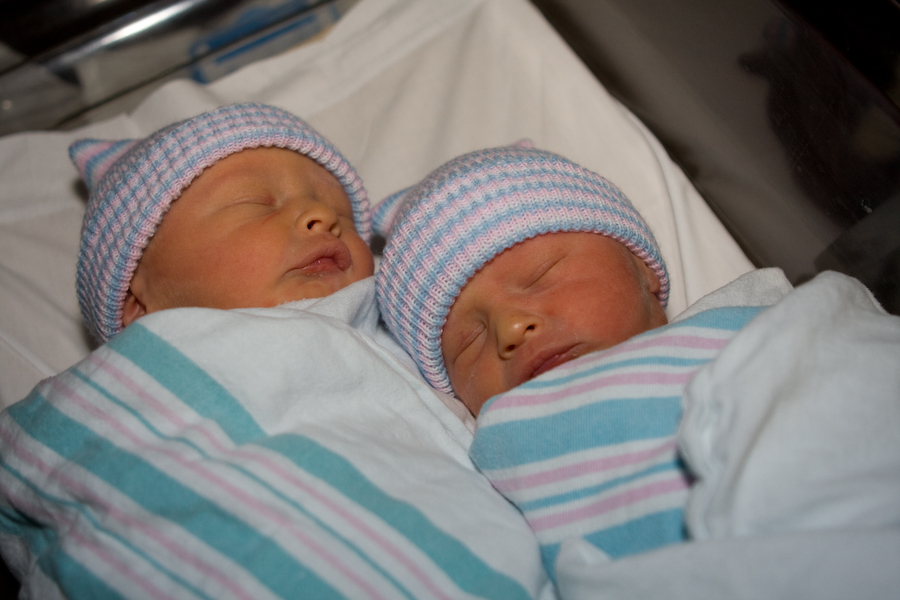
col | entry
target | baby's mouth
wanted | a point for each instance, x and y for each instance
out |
(326, 258)
(321, 265)
(550, 359)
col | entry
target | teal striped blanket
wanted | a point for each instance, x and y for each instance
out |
(588, 450)
(269, 453)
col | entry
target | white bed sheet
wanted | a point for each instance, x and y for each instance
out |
(399, 86)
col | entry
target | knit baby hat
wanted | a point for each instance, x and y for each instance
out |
(441, 231)
(134, 182)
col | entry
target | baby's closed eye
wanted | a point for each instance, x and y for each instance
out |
(538, 276)
(465, 341)
(248, 201)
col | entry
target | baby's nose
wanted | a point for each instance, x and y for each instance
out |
(320, 218)
(514, 329)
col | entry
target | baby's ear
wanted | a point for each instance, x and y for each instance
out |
(651, 279)
(132, 309)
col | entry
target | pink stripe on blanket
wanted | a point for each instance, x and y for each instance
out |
(120, 567)
(572, 471)
(258, 456)
(280, 521)
(642, 378)
(632, 496)
(80, 490)
(88, 545)
(152, 401)
(695, 342)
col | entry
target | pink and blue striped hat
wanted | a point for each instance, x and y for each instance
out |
(441, 231)
(134, 182)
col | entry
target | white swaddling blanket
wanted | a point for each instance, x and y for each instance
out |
(253, 453)
(794, 434)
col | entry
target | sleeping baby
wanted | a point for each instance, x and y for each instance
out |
(532, 289)
(244, 206)
(476, 253)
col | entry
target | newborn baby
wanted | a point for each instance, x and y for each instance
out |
(244, 206)
(507, 262)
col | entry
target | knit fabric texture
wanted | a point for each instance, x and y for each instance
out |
(134, 182)
(441, 231)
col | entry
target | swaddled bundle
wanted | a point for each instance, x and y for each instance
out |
(547, 325)
(220, 454)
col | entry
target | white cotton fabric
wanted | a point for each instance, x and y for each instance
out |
(796, 425)
(762, 287)
(823, 565)
(384, 360)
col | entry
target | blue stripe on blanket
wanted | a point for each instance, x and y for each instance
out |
(457, 561)
(43, 543)
(511, 444)
(181, 376)
(57, 564)
(640, 535)
(79, 583)
(246, 473)
(594, 490)
(729, 318)
(160, 494)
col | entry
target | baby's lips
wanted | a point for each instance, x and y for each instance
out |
(547, 360)
(324, 255)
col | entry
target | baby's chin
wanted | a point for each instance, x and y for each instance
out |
(320, 287)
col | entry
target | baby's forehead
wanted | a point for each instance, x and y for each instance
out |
(546, 246)
(258, 164)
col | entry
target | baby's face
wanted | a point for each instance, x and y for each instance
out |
(259, 228)
(540, 304)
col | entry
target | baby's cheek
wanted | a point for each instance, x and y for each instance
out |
(460, 379)
(365, 264)
(479, 382)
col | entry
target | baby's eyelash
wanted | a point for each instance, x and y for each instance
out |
(541, 271)
(469, 340)
(253, 201)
